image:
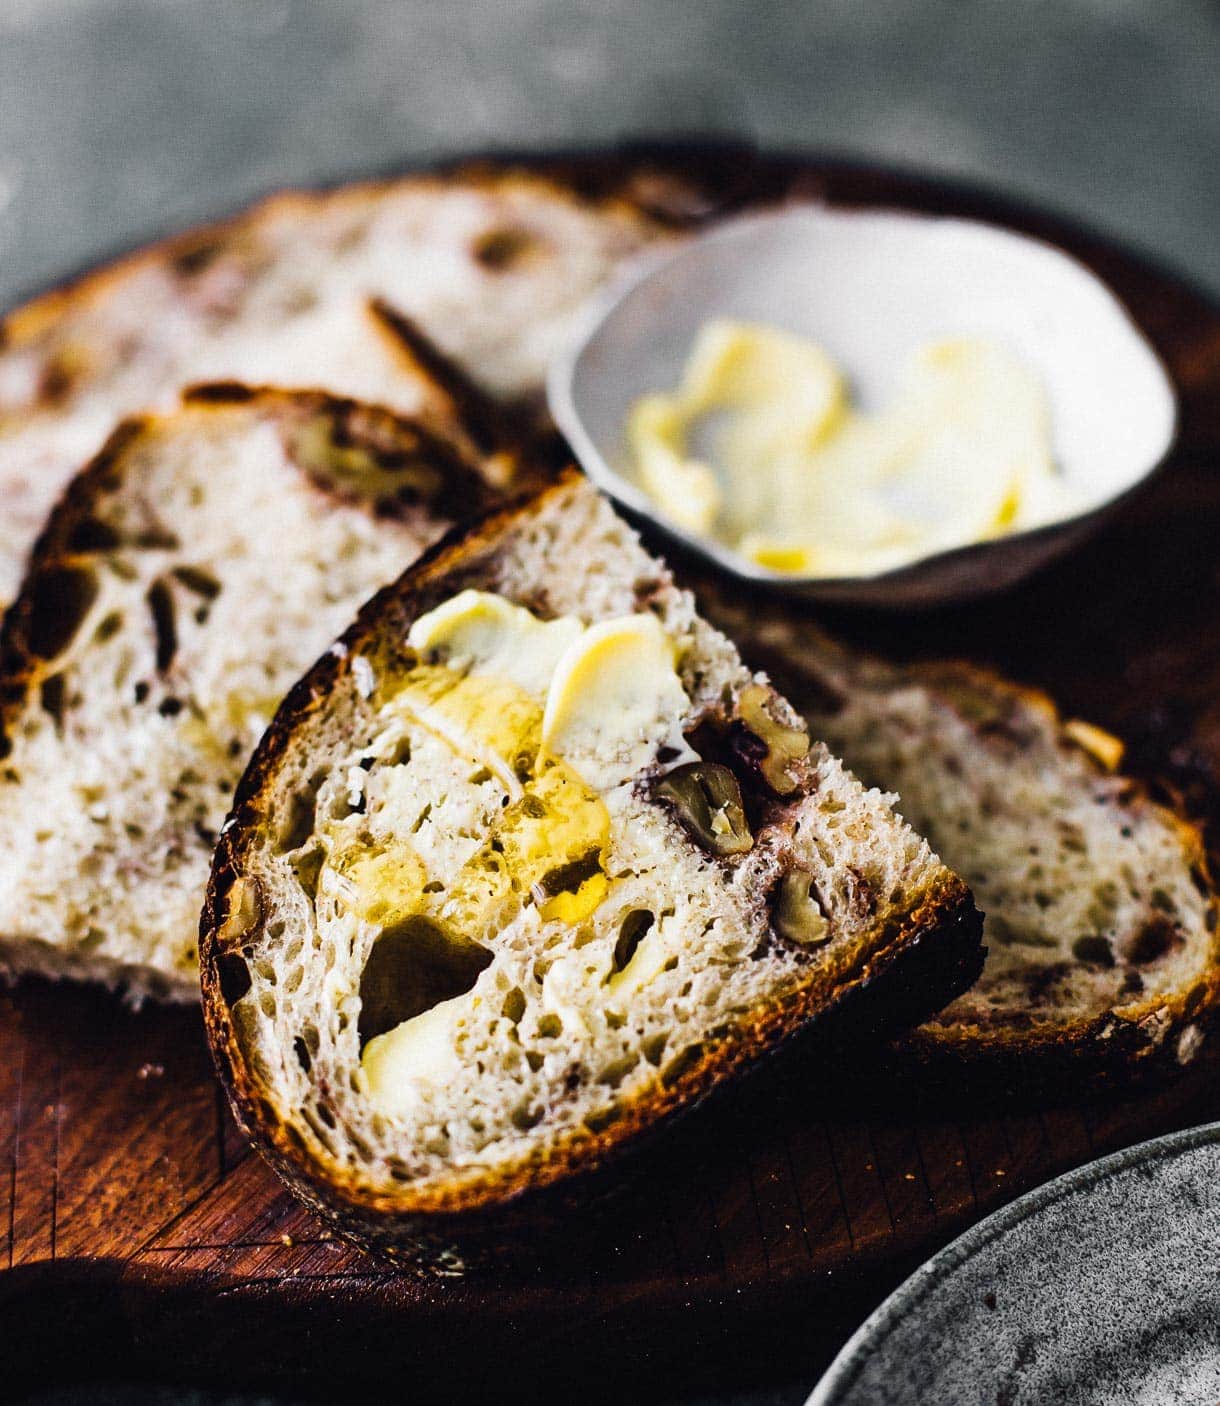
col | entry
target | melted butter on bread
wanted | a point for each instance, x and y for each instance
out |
(488, 635)
(419, 1051)
(559, 714)
(614, 700)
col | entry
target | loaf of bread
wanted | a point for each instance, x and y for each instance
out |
(305, 290)
(188, 576)
(528, 862)
(1101, 915)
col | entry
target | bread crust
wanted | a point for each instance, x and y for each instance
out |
(937, 934)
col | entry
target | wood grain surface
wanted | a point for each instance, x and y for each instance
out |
(142, 1237)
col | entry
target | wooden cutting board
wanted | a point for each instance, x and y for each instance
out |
(144, 1238)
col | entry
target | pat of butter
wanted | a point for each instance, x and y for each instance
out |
(558, 714)
(489, 635)
(656, 432)
(797, 481)
(396, 1067)
(612, 696)
(615, 700)
(486, 719)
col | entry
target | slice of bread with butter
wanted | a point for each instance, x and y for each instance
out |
(187, 577)
(528, 862)
(1101, 916)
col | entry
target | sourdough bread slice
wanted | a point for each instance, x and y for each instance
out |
(306, 289)
(184, 581)
(1100, 914)
(539, 1040)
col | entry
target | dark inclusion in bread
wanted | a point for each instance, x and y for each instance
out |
(527, 863)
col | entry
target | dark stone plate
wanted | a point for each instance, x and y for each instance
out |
(1101, 1286)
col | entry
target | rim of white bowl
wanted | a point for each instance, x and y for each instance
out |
(561, 375)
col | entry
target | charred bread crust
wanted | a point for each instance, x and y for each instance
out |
(920, 958)
(1157, 1036)
(56, 579)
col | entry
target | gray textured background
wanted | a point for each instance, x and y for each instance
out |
(123, 118)
(119, 118)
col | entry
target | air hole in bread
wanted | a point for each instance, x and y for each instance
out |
(1094, 951)
(514, 1005)
(196, 257)
(523, 1119)
(314, 1118)
(301, 1050)
(415, 965)
(603, 1118)
(502, 246)
(91, 534)
(308, 866)
(161, 608)
(566, 878)
(682, 1063)
(297, 819)
(234, 977)
(51, 698)
(550, 1026)
(108, 626)
(60, 599)
(631, 933)
(1156, 940)
(199, 580)
(617, 1070)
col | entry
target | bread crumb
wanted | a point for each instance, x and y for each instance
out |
(362, 672)
(1188, 1044)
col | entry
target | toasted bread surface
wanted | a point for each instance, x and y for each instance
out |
(558, 1065)
(187, 577)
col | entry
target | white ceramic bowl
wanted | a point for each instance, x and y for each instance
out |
(871, 287)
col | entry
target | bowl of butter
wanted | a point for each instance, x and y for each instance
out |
(869, 407)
